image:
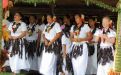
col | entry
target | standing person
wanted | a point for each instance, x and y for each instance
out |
(51, 35)
(40, 40)
(66, 21)
(106, 50)
(31, 38)
(17, 55)
(80, 35)
(66, 50)
(92, 60)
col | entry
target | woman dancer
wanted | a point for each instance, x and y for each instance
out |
(106, 50)
(80, 35)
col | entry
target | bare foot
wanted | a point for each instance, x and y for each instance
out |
(14, 74)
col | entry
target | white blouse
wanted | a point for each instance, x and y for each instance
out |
(19, 31)
(83, 33)
(34, 34)
(110, 34)
(52, 33)
(66, 41)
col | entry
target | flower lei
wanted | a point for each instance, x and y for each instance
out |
(49, 27)
(31, 30)
(15, 26)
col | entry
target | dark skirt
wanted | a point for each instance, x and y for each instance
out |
(105, 55)
(55, 47)
(77, 50)
(31, 47)
(17, 46)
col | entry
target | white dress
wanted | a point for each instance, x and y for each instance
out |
(33, 61)
(66, 41)
(49, 60)
(41, 28)
(17, 63)
(80, 63)
(104, 69)
(92, 60)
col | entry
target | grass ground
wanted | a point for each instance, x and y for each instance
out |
(5, 73)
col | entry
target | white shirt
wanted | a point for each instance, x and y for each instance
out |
(110, 34)
(66, 41)
(19, 31)
(83, 33)
(34, 34)
(52, 33)
(41, 28)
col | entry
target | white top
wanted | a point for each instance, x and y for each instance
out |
(66, 41)
(83, 33)
(94, 34)
(41, 28)
(34, 34)
(20, 29)
(52, 33)
(110, 34)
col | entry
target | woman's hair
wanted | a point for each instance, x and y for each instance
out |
(66, 31)
(75, 27)
(51, 15)
(20, 14)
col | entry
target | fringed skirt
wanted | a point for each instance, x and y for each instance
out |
(49, 59)
(92, 61)
(105, 60)
(79, 58)
(17, 55)
(31, 47)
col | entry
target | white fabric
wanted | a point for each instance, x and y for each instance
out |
(92, 60)
(83, 32)
(33, 63)
(80, 63)
(110, 34)
(103, 69)
(66, 41)
(21, 28)
(34, 34)
(17, 63)
(56, 29)
(41, 28)
(49, 60)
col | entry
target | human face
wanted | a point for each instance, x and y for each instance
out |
(78, 20)
(106, 23)
(32, 19)
(91, 22)
(49, 19)
(17, 17)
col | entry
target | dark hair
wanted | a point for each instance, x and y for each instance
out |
(75, 27)
(66, 31)
(78, 14)
(21, 15)
(67, 16)
(92, 18)
(51, 15)
(35, 17)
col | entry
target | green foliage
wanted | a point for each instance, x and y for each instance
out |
(36, 1)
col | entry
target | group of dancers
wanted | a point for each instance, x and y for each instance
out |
(55, 49)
